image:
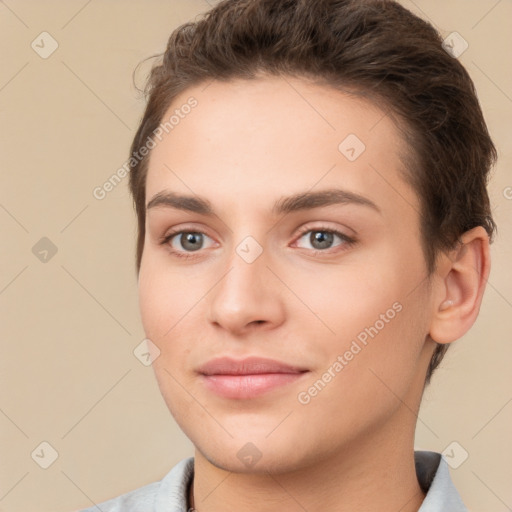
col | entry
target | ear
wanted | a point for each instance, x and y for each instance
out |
(461, 278)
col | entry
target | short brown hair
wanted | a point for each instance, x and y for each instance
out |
(372, 47)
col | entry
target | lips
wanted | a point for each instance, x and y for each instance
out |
(248, 366)
(249, 377)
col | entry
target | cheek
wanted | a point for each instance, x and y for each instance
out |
(163, 313)
(346, 300)
(166, 296)
(371, 367)
(154, 304)
(372, 314)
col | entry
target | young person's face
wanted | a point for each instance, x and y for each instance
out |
(348, 312)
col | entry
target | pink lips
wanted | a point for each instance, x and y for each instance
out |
(247, 378)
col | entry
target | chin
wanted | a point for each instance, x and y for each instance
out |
(254, 454)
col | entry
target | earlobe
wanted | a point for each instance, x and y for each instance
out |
(462, 276)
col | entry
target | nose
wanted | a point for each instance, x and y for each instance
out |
(247, 297)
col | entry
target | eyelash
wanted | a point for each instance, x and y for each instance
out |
(348, 241)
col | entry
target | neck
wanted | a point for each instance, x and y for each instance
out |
(375, 475)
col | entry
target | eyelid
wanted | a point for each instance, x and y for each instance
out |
(324, 227)
(185, 228)
(347, 240)
(169, 235)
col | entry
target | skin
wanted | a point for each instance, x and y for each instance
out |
(246, 145)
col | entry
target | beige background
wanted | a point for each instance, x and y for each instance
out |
(69, 326)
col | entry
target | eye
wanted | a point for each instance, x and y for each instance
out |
(183, 242)
(320, 239)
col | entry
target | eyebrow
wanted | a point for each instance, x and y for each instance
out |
(284, 205)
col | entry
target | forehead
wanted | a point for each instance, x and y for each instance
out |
(262, 137)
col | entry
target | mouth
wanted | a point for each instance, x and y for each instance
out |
(248, 378)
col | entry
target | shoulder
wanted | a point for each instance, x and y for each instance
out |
(166, 495)
(138, 500)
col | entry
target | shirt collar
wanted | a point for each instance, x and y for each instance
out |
(434, 478)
